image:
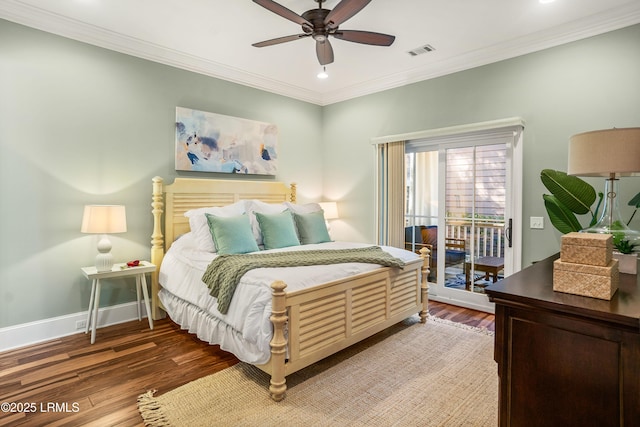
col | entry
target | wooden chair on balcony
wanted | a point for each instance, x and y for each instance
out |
(419, 236)
(413, 240)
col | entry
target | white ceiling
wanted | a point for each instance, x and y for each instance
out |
(214, 37)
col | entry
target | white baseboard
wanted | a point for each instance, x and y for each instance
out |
(17, 336)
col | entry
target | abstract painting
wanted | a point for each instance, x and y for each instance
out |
(208, 142)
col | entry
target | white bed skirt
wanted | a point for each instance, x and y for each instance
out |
(212, 330)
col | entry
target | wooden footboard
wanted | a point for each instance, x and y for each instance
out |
(326, 319)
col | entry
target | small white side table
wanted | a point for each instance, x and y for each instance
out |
(117, 272)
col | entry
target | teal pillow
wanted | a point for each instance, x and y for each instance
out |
(232, 235)
(312, 228)
(278, 230)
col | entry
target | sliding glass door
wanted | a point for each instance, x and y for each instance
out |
(460, 204)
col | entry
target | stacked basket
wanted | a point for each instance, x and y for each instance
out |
(586, 266)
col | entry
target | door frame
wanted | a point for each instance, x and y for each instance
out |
(513, 209)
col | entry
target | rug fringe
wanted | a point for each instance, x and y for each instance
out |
(484, 331)
(151, 411)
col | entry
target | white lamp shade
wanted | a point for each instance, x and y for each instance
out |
(104, 219)
(330, 210)
(605, 152)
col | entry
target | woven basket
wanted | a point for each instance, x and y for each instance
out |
(587, 248)
(586, 280)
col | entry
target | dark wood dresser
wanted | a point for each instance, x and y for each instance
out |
(566, 360)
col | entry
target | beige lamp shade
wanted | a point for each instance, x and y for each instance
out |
(605, 152)
(330, 210)
(104, 219)
(608, 153)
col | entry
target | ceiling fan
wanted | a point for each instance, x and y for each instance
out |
(321, 23)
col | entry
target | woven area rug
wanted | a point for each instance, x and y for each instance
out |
(433, 374)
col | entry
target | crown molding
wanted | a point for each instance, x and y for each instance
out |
(21, 13)
(34, 17)
(577, 30)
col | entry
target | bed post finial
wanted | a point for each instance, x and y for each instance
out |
(293, 196)
(425, 254)
(157, 243)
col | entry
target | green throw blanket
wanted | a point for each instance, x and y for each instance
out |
(225, 271)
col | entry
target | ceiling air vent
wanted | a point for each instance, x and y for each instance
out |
(422, 49)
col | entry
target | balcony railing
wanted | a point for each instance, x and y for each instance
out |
(488, 236)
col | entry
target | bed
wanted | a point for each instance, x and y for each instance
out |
(304, 323)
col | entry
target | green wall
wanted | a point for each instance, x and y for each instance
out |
(586, 85)
(80, 125)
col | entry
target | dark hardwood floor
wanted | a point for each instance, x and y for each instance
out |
(68, 381)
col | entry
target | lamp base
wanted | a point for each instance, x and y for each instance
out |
(625, 240)
(104, 259)
(104, 262)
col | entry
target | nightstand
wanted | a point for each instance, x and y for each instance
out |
(118, 271)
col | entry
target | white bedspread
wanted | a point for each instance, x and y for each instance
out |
(246, 329)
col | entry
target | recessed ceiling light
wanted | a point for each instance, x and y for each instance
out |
(546, 1)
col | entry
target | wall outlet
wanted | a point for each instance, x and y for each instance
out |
(81, 324)
(536, 222)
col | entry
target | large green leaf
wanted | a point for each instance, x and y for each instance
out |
(571, 191)
(562, 218)
(635, 202)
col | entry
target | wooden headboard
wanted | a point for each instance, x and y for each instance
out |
(173, 200)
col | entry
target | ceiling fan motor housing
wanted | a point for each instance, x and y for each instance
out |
(316, 17)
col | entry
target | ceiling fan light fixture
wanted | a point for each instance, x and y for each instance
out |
(323, 74)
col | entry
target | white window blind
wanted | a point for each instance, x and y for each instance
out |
(476, 181)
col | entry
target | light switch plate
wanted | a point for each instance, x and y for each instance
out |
(536, 222)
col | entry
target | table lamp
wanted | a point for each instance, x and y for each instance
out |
(330, 211)
(104, 219)
(610, 153)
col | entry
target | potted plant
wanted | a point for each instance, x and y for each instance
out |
(627, 259)
(571, 196)
(625, 246)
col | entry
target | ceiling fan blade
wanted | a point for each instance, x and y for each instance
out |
(278, 9)
(365, 37)
(324, 52)
(280, 40)
(343, 11)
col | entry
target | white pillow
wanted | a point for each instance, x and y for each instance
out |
(264, 208)
(200, 226)
(303, 209)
